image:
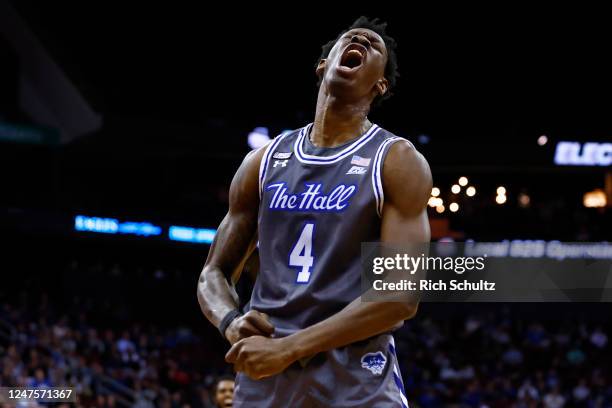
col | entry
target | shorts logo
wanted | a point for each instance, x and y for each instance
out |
(357, 170)
(375, 362)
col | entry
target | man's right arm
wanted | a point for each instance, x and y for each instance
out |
(234, 242)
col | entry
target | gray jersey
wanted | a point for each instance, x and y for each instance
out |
(317, 206)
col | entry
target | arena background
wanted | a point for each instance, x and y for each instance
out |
(120, 130)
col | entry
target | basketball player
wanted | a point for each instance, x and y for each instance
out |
(307, 200)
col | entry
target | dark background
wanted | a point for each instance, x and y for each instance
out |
(179, 89)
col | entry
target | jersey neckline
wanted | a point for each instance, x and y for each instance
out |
(351, 147)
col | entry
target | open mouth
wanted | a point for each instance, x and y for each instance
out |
(353, 56)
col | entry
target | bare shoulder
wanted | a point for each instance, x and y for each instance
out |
(252, 161)
(253, 158)
(404, 158)
(244, 190)
(407, 179)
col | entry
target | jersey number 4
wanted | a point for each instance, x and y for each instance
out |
(301, 254)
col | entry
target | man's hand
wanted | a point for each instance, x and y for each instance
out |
(253, 323)
(260, 357)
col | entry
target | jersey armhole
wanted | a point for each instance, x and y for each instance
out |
(263, 165)
(379, 159)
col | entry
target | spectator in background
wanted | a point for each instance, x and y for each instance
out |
(223, 392)
(554, 399)
(127, 348)
(429, 399)
(599, 338)
(581, 392)
(513, 356)
(527, 392)
(39, 380)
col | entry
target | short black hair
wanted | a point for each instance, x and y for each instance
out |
(380, 28)
(223, 377)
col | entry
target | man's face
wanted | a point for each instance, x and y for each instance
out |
(355, 65)
(224, 394)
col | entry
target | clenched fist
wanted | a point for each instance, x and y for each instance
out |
(260, 357)
(253, 323)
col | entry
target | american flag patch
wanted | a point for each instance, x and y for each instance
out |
(361, 161)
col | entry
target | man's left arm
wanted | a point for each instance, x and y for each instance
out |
(407, 185)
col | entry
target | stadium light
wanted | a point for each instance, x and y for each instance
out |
(440, 209)
(258, 137)
(542, 140)
(500, 199)
(114, 226)
(423, 139)
(435, 201)
(471, 191)
(454, 207)
(435, 191)
(595, 199)
(463, 181)
(189, 234)
(455, 189)
(501, 190)
(101, 225)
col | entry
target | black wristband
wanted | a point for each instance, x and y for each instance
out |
(229, 318)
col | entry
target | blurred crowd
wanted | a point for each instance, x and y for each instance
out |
(136, 366)
(496, 360)
(487, 356)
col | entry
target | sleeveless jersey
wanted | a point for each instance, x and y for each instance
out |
(317, 205)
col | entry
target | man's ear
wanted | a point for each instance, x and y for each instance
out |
(382, 86)
(321, 67)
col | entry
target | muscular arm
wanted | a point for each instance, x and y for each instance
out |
(234, 242)
(407, 185)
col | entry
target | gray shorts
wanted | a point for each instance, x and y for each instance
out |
(363, 374)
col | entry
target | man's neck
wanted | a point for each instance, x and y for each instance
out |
(336, 121)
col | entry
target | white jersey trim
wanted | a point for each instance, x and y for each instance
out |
(313, 159)
(263, 165)
(377, 185)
